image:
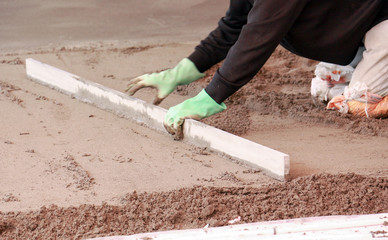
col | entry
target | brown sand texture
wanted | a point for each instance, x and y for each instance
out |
(69, 170)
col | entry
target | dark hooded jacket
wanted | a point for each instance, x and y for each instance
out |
(323, 30)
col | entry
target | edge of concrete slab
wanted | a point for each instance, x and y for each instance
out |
(354, 227)
(274, 163)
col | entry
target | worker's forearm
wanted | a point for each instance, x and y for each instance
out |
(268, 23)
(215, 47)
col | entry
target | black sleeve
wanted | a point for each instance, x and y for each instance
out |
(267, 24)
(215, 47)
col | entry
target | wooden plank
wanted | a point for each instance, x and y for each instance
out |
(272, 162)
(362, 227)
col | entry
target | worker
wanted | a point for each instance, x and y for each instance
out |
(328, 31)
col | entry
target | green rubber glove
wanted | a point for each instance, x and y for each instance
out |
(165, 82)
(198, 107)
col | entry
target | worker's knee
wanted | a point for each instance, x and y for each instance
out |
(377, 36)
(372, 71)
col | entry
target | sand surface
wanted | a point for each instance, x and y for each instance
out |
(69, 170)
(28, 24)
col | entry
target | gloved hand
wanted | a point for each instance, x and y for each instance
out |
(198, 107)
(166, 81)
